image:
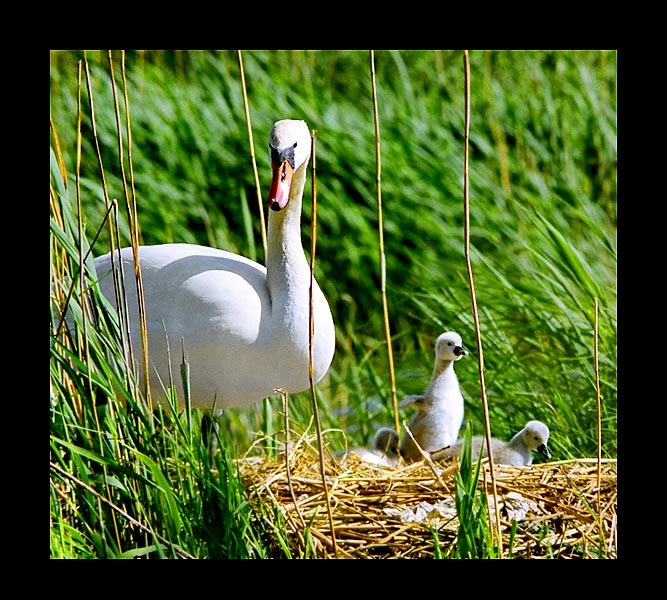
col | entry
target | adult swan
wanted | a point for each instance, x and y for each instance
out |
(244, 327)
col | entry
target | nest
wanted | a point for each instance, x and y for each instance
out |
(564, 509)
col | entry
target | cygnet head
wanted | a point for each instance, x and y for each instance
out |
(289, 148)
(449, 346)
(535, 437)
(386, 441)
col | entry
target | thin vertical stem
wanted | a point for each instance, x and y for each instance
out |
(134, 233)
(84, 307)
(598, 401)
(114, 236)
(82, 285)
(466, 209)
(260, 203)
(311, 330)
(285, 399)
(383, 265)
(136, 236)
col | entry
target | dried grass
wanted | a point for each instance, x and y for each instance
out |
(397, 513)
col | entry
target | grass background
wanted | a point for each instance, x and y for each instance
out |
(543, 246)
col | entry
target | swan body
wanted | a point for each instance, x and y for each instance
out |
(384, 450)
(244, 327)
(518, 451)
(440, 409)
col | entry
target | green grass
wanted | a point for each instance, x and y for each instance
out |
(474, 534)
(543, 246)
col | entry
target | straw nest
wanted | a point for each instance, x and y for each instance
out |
(564, 509)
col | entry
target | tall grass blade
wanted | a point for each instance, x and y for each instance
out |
(474, 534)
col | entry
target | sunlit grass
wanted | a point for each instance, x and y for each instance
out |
(543, 219)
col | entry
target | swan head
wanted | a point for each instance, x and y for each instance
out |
(449, 346)
(536, 436)
(289, 149)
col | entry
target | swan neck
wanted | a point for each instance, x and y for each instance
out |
(285, 256)
(443, 368)
(443, 376)
(517, 441)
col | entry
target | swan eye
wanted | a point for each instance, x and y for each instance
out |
(294, 145)
(279, 156)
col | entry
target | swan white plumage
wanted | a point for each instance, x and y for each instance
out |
(244, 327)
(518, 451)
(440, 409)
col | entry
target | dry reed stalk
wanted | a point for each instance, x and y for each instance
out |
(111, 209)
(251, 143)
(82, 256)
(383, 267)
(473, 296)
(380, 512)
(258, 190)
(133, 218)
(597, 387)
(82, 285)
(285, 398)
(311, 328)
(425, 455)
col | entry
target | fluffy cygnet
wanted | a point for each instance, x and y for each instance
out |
(440, 409)
(518, 451)
(384, 451)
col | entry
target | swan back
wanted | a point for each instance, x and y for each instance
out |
(243, 326)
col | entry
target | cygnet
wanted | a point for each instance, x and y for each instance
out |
(518, 451)
(440, 409)
(384, 451)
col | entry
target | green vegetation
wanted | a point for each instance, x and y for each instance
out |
(474, 536)
(130, 482)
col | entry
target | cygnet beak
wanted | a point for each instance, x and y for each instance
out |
(544, 451)
(459, 351)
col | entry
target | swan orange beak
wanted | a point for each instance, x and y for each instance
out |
(281, 182)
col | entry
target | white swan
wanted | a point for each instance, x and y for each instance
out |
(384, 450)
(518, 451)
(440, 409)
(244, 327)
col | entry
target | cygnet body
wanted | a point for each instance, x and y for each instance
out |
(440, 409)
(384, 451)
(518, 451)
